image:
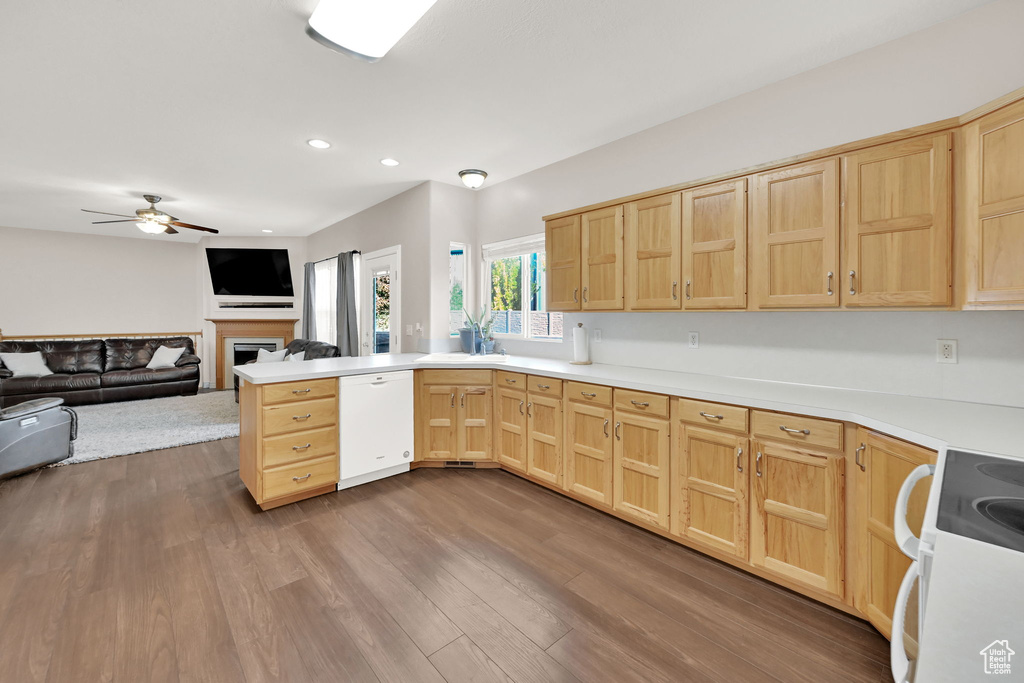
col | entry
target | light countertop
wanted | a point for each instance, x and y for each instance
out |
(933, 423)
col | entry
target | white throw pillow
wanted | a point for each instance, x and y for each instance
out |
(301, 355)
(165, 357)
(26, 364)
(264, 356)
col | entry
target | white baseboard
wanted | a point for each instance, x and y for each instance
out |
(372, 476)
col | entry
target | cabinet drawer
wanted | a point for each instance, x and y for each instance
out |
(299, 391)
(545, 385)
(315, 443)
(588, 393)
(301, 476)
(640, 402)
(299, 416)
(732, 418)
(456, 376)
(510, 380)
(797, 429)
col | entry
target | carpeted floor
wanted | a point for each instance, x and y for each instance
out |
(111, 429)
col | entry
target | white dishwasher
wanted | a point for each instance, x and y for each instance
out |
(376, 426)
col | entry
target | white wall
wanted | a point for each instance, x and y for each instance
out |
(63, 283)
(940, 72)
(452, 219)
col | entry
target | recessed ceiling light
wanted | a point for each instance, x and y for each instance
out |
(364, 29)
(319, 144)
(268, 231)
(389, 162)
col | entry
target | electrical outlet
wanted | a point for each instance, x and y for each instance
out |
(945, 351)
(595, 336)
(694, 340)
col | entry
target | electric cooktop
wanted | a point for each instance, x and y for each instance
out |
(982, 497)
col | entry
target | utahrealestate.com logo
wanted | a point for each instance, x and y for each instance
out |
(997, 657)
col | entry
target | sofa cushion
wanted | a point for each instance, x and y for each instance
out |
(127, 354)
(56, 383)
(136, 376)
(63, 357)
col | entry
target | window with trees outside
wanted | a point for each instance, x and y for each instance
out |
(457, 255)
(514, 279)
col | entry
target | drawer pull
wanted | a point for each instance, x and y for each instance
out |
(543, 386)
(805, 432)
(302, 417)
(588, 394)
(301, 391)
(509, 381)
(302, 478)
(641, 404)
(712, 417)
(301, 448)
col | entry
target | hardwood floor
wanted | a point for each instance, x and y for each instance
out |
(159, 567)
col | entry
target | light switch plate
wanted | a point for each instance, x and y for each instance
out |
(595, 335)
(408, 330)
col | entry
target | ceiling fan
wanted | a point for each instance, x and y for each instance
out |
(152, 220)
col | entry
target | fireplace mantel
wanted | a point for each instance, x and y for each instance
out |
(234, 327)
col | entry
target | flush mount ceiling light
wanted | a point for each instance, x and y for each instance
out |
(364, 29)
(389, 162)
(473, 178)
(319, 144)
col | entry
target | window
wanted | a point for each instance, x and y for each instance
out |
(325, 300)
(457, 254)
(515, 281)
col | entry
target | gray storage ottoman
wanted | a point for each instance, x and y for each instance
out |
(35, 433)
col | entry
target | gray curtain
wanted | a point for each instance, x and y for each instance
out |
(348, 327)
(308, 312)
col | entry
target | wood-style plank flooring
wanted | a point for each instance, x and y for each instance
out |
(159, 567)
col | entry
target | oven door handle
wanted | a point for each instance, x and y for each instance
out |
(898, 660)
(908, 543)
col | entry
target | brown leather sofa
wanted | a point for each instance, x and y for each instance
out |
(100, 371)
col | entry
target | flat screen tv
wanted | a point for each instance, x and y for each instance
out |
(250, 272)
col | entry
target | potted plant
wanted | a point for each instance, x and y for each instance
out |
(478, 333)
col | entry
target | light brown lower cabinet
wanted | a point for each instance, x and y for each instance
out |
(880, 467)
(544, 438)
(589, 451)
(453, 418)
(796, 522)
(510, 417)
(641, 471)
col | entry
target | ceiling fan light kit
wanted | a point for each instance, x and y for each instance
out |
(152, 220)
(364, 29)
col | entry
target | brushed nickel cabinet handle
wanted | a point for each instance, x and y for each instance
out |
(585, 299)
(674, 286)
(575, 295)
(853, 276)
(302, 478)
(830, 276)
(543, 386)
(856, 457)
(641, 404)
(462, 400)
(805, 432)
(739, 462)
(301, 391)
(521, 407)
(452, 405)
(588, 394)
(302, 417)
(618, 433)
(529, 409)
(510, 381)
(687, 290)
(757, 464)
(301, 448)
(712, 417)
(606, 434)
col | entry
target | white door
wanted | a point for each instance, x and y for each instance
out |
(381, 302)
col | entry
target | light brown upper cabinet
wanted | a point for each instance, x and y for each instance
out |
(897, 224)
(653, 245)
(562, 251)
(715, 246)
(795, 236)
(994, 208)
(602, 259)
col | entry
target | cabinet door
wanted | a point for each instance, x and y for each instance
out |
(795, 236)
(897, 224)
(715, 246)
(709, 491)
(511, 437)
(878, 565)
(994, 211)
(653, 245)
(796, 523)
(589, 452)
(544, 438)
(562, 258)
(642, 454)
(602, 259)
(438, 422)
(474, 423)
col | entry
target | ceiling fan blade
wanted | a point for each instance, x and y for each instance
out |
(170, 231)
(107, 213)
(128, 220)
(194, 227)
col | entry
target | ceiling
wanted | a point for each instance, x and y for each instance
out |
(210, 103)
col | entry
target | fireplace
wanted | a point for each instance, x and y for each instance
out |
(246, 337)
(247, 351)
